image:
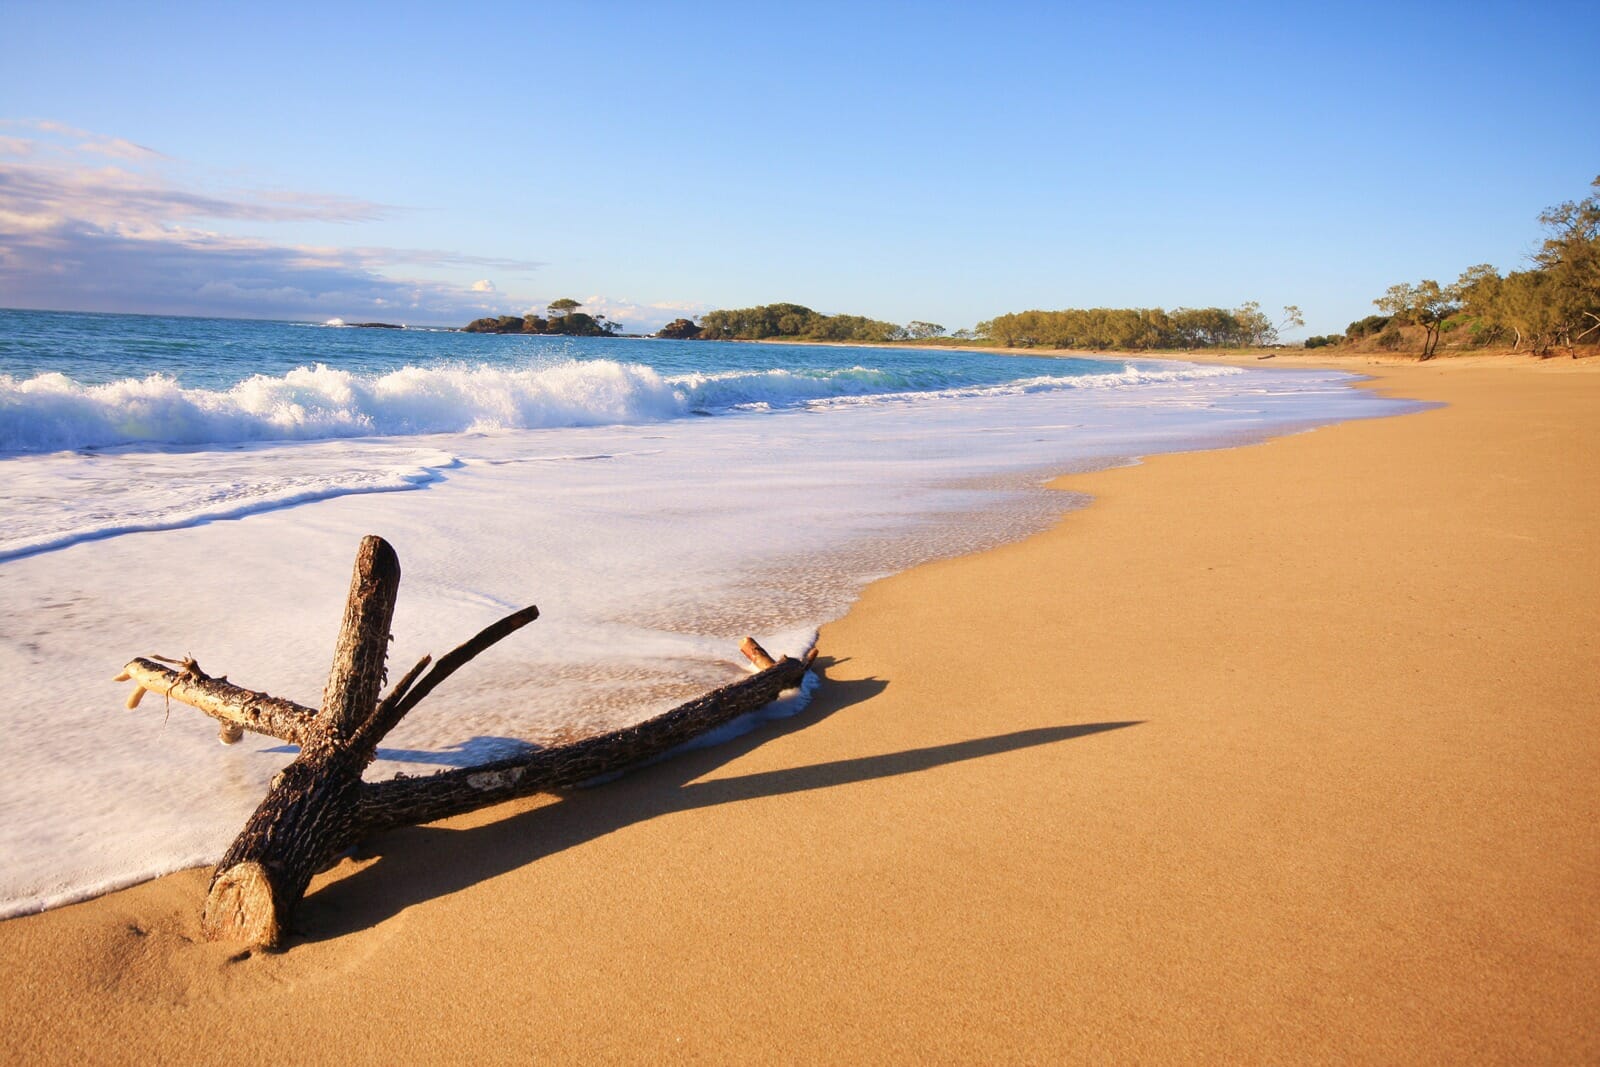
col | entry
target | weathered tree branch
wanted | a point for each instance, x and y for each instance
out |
(755, 654)
(219, 698)
(318, 806)
(357, 674)
(408, 801)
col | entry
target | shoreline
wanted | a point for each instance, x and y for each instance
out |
(613, 544)
(1259, 358)
(1282, 750)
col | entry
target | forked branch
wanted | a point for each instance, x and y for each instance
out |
(318, 806)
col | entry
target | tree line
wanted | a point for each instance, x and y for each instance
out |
(788, 322)
(1554, 304)
(796, 322)
(1136, 329)
(1122, 329)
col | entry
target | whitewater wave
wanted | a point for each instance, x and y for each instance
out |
(52, 412)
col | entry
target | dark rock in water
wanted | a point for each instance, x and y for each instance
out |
(375, 325)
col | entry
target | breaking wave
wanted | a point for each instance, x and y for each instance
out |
(52, 412)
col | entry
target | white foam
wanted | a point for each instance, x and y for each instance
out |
(52, 412)
(114, 493)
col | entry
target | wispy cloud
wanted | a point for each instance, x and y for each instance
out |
(86, 141)
(76, 232)
(114, 196)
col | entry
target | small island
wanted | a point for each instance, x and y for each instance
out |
(564, 319)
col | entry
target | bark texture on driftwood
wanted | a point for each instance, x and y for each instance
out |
(362, 651)
(319, 806)
(219, 698)
(407, 801)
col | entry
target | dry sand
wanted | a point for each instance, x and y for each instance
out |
(1281, 753)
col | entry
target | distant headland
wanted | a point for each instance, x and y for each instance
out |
(564, 319)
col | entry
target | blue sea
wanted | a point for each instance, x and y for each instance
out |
(74, 381)
(199, 486)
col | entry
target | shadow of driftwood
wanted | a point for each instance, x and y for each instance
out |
(421, 863)
(483, 748)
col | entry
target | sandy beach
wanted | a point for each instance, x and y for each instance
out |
(1282, 753)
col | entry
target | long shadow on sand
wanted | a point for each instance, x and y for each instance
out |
(421, 863)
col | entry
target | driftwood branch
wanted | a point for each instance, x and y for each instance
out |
(359, 657)
(319, 806)
(408, 801)
(219, 698)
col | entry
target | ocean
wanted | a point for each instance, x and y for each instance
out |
(199, 487)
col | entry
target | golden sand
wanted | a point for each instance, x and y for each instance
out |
(1283, 753)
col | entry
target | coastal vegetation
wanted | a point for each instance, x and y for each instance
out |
(679, 330)
(564, 318)
(1554, 305)
(793, 322)
(1139, 329)
(1120, 329)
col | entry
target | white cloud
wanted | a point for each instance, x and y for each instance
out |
(77, 231)
(127, 238)
(115, 196)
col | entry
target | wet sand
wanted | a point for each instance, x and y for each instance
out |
(1279, 753)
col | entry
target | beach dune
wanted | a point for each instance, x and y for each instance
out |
(1280, 753)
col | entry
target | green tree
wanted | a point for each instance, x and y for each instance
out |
(1570, 260)
(1291, 320)
(1427, 304)
(1482, 293)
(1369, 326)
(1555, 304)
(578, 324)
(1253, 323)
(565, 306)
(679, 330)
(1257, 328)
(917, 330)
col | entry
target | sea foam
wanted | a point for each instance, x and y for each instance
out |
(53, 412)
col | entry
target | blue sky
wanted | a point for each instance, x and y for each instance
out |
(929, 161)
